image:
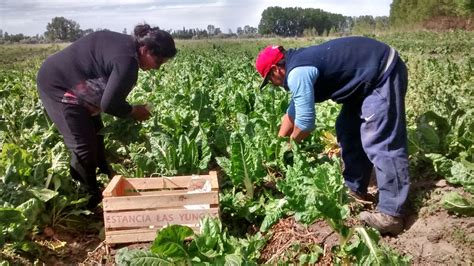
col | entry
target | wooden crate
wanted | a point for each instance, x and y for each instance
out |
(135, 208)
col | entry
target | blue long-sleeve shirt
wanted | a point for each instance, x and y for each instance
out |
(301, 82)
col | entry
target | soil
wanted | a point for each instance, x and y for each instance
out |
(289, 239)
(431, 237)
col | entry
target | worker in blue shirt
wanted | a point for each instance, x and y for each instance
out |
(370, 80)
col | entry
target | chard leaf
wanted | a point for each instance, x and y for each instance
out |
(170, 241)
(209, 237)
(43, 194)
(274, 210)
(31, 209)
(233, 260)
(455, 202)
(460, 173)
(10, 216)
(139, 257)
(370, 239)
(240, 165)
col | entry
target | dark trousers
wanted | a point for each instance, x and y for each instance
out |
(79, 130)
(372, 133)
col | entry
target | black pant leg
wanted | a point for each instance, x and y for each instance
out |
(77, 128)
(102, 162)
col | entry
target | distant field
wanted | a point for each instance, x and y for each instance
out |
(17, 55)
(421, 43)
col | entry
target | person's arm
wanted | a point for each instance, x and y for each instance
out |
(119, 84)
(301, 82)
(286, 127)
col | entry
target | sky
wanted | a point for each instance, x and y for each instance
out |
(30, 17)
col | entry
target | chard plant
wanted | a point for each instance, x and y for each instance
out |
(177, 244)
(315, 190)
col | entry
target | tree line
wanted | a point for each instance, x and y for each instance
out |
(432, 14)
(293, 21)
(297, 22)
(61, 29)
(214, 32)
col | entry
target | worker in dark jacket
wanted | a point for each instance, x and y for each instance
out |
(92, 75)
(370, 80)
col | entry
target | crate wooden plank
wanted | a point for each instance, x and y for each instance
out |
(129, 236)
(158, 182)
(159, 201)
(135, 235)
(154, 192)
(214, 182)
(168, 182)
(161, 192)
(114, 188)
(159, 217)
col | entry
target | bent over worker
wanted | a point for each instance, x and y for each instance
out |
(370, 81)
(95, 74)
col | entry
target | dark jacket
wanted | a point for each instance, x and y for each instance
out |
(97, 71)
(349, 67)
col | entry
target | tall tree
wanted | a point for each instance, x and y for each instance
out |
(405, 13)
(210, 29)
(62, 29)
(294, 21)
(364, 24)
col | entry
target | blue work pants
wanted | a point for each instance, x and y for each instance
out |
(372, 133)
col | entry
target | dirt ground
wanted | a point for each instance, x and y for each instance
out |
(431, 237)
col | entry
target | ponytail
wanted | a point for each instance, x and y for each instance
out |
(159, 42)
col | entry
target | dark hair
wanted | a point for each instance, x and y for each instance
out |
(159, 42)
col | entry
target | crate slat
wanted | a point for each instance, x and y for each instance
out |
(162, 182)
(157, 217)
(214, 181)
(129, 236)
(114, 187)
(136, 235)
(159, 201)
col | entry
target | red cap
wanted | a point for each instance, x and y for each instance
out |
(268, 57)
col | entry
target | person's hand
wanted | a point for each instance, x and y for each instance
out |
(140, 112)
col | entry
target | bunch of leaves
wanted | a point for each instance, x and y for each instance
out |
(362, 247)
(442, 137)
(27, 202)
(447, 145)
(19, 222)
(460, 204)
(244, 167)
(456, 172)
(123, 130)
(177, 244)
(245, 194)
(315, 190)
